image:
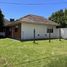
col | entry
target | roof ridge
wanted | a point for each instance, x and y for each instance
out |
(32, 15)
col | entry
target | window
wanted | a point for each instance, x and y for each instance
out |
(50, 30)
(16, 28)
(10, 29)
(38, 34)
(45, 34)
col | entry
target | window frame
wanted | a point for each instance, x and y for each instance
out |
(16, 28)
(50, 30)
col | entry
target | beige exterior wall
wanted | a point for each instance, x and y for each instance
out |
(40, 31)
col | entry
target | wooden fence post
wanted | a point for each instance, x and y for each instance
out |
(49, 37)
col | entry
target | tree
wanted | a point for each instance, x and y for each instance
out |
(1, 19)
(65, 15)
(60, 17)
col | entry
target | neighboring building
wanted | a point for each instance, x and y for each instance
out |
(3, 29)
(23, 28)
(64, 33)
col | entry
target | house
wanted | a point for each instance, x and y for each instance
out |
(23, 28)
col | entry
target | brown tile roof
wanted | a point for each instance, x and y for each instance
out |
(6, 22)
(34, 19)
(37, 19)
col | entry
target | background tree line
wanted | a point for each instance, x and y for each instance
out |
(1, 19)
(60, 17)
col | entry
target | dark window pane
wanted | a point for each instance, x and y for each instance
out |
(16, 29)
(50, 30)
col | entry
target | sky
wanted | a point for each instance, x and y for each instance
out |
(19, 10)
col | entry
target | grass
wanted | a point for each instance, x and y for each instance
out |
(14, 53)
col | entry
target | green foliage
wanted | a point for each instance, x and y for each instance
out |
(14, 53)
(60, 17)
(1, 19)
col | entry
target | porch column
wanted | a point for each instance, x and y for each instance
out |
(59, 34)
(12, 32)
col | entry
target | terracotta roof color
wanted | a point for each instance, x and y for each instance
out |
(6, 22)
(34, 19)
(37, 19)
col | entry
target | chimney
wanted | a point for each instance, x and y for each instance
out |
(11, 20)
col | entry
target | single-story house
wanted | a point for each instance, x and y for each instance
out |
(23, 28)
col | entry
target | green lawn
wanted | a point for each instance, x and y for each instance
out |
(14, 53)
